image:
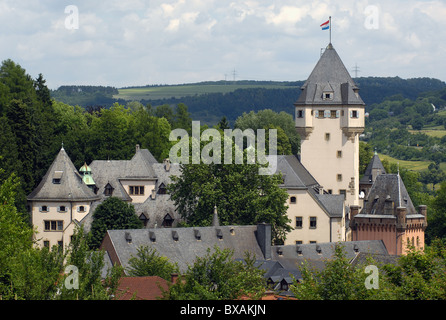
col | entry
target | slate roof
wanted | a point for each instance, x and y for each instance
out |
(70, 186)
(329, 75)
(296, 176)
(187, 247)
(291, 256)
(112, 171)
(374, 164)
(294, 173)
(390, 188)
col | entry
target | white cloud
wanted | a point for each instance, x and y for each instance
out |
(175, 41)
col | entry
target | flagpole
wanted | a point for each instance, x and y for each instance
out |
(329, 29)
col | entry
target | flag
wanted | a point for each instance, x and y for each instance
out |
(326, 25)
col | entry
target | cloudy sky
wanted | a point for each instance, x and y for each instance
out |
(136, 42)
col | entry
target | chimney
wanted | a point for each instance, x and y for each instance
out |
(153, 196)
(354, 210)
(215, 220)
(422, 209)
(166, 164)
(401, 218)
(388, 206)
(174, 277)
(264, 239)
(137, 147)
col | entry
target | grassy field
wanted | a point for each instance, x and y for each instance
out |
(178, 91)
(438, 131)
(410, 165)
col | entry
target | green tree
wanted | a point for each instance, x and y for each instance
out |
(88, 285)
(268, 117)
(217, 276)
(34, 274)
(241, 194)
(182, 118)
(149, 263)
(365, 156)
(338, 280)
(112, 214)
(15, 233)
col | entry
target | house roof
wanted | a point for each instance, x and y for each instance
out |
(141, 288)
(294, 173)
(316, 254)
(332, 203)
(374, 164)
(69, 185)
(182, 245)
(329, 75)
(387, 188)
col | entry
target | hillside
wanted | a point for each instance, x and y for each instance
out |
(210, 101)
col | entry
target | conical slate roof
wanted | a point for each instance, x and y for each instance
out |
(374, 164)
(62, 182)
(329, 75)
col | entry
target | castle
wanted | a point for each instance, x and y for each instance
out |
(323, 182)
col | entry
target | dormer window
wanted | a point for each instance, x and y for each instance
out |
(162, 189)
(57, 176)
(328, 96)
(168, 221)
(108, 190)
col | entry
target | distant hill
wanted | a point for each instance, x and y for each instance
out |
(211, 100)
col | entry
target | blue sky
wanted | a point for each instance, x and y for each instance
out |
(136, 42)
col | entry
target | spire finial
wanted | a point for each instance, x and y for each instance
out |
(62, 146)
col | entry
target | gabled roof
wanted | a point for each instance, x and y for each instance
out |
(187, 247)
(294, 173)
(62, 182)
(329, 75)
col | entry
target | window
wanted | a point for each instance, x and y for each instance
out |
(53, 225)
(136, 190)
(327, 136)
(339, 153)
(44, 209)
(108, 190)
(320, 113)
(339, 177)
(300, 114)
(299, 241)
(168, 221)
(313, 222)
(56, 181)
(344, 192)
(46, 244)
(293, 200)
(328, 96)
(62, 209)
(312, 241)
(81, 209)
(354, 114)
(298, 222)
(162, 189)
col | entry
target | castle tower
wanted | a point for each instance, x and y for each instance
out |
(329, 118)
